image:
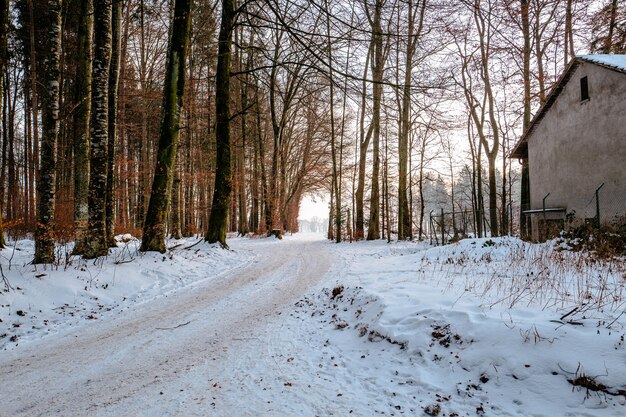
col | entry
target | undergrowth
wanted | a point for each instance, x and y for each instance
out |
(605, 242)
(512, 272)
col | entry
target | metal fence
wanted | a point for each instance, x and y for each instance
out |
(445, 227)
(604, 206)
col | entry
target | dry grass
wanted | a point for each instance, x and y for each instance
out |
(539, 274)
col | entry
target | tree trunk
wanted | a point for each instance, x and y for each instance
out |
(405, 230)
(81, 125)
(216, 231)
(333, 150)
(44, 234)
(373, 230)
(114, 77)
(34, 82)
(243, 203)
(4, 28)
(96, 243)
(525, 191)
(484, 30)
(607, 48)
(541, 78)
(359, 228)
(568, 48)
(173, 92)
(175, 210)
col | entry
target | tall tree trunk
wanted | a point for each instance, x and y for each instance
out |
(12, 191)
(266, 214)
(114, 77)
(373, 230)
(82, 101)
(364, 140)
(173, 92)
(242, 227)
(96, 243)
(4, 28)
(34, 82)
(541, 78)
(405, 230)
(525, 191)
(44, 234)
(484, 30)
(335, 173)
(175, 210)
(125, 205)
(29, 157)
(143, 166)
(216, 231)
(568, 48)
(607, 47)
(5, 142)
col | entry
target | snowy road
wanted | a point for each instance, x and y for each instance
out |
(307, 328)
(163, 357)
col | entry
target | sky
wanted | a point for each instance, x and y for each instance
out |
(314, 207)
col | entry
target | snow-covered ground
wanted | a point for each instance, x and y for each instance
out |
(45, 298)
(305, 327)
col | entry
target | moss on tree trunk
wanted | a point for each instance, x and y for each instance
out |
(154, 224)
(216, 231)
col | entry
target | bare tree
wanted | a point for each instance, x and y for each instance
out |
(374, 17)
(415, 15)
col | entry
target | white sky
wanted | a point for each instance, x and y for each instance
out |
(314, 207)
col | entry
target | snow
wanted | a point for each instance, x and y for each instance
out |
(612, 60)
(460, 334)
(49, 297)
(305, 327)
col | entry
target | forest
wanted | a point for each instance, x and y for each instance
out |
(179, 118)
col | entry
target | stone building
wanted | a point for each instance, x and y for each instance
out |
(576, 147)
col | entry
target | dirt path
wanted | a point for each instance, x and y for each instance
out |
(148, 357)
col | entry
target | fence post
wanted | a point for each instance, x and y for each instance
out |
(544, 226)
(430, 228)
(443, 229)
(598, 205)
(544, 206)
(510, 209)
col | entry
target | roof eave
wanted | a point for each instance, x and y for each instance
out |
(521, 148)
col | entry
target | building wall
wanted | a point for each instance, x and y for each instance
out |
(580, 145)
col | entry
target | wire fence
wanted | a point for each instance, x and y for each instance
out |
(446, 227)
(602, 207)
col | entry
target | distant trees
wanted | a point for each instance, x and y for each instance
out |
(608, 27)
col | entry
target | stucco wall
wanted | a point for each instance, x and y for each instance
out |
(580, 145)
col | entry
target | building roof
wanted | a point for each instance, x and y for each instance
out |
(612, 62)
(617, 62)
